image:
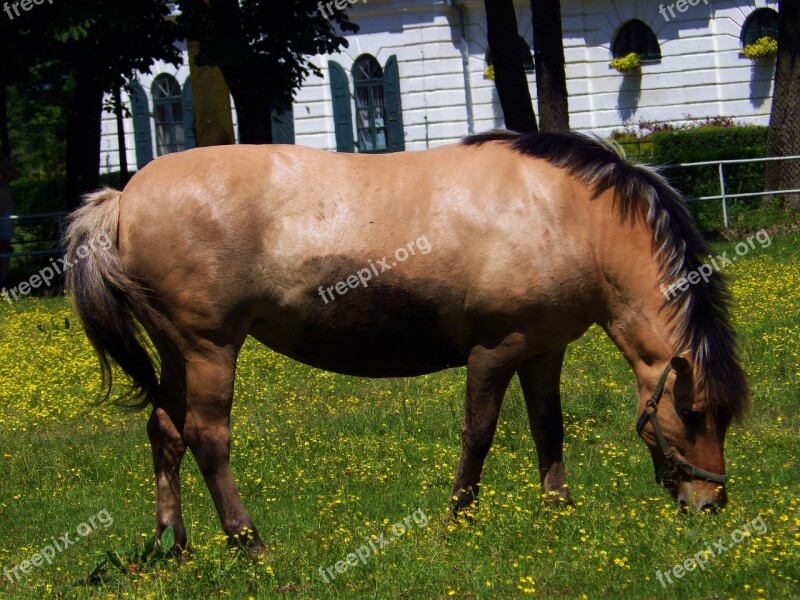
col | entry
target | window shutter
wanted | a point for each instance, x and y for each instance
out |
(187, 99)
(394, 110)
(140, 110)
(283, 122)
(342, 111)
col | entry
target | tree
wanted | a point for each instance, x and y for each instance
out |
(548, 53)
(262, 48)
(5, 144)
(784, 125)
(509, 72)
(213, 123)
(84, 50)
(101, 52)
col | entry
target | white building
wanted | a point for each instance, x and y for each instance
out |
(414, 75)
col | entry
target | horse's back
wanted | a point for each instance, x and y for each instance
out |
(276, 236)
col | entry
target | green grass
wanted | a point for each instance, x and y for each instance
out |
(324, 462)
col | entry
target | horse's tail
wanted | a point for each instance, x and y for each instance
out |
(107, 301)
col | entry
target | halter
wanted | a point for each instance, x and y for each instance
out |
(671, 463)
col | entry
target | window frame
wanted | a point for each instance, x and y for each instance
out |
(754, 16)
(630, 45)
(176, 135)
(374, 87)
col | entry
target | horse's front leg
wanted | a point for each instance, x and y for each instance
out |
(540, 380)
(209, 385)
(489, 371)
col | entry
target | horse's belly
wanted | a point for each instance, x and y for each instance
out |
(406, 347)
(372, 332)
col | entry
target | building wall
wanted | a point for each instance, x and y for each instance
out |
(701, 74)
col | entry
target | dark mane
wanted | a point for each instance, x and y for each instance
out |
(700, 314)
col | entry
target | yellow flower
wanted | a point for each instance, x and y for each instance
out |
(764, 47)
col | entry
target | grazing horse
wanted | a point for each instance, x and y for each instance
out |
(530, 240)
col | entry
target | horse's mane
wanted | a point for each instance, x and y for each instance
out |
(700, 314)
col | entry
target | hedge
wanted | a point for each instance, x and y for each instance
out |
(712, 143)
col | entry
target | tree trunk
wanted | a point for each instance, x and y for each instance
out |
(5, 145)
(248, 80)
(509, 72)
(213, 125)
(548, 54)
(253, 111)
(784, 125)
(124, 176)
(83, 137)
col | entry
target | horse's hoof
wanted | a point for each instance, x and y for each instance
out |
(259, 553)
(558, 498)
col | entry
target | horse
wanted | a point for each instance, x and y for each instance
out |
(530, 238)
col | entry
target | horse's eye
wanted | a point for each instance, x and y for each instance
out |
(692, 417)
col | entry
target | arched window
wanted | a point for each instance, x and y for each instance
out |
(524, 52)
(379, 111)
(761, 23)
(168, 109)
(370, 109)
(636, 36)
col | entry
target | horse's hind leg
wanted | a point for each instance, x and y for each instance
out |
(540, 380)
(489, 371)
(164, 430)
(210, 372)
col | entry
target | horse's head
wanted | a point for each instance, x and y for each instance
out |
(685, 437)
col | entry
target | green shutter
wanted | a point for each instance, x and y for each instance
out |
(283, 122)
(140, 109)
(342, 111)
(394, 110)
(187, 99)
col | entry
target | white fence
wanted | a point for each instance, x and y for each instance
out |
(721, 171)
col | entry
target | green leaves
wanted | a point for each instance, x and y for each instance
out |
(142, 557)
(76, 32)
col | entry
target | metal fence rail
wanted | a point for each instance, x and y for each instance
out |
(724, 196)
(56, 218)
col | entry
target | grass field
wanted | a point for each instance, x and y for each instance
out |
(325, 462)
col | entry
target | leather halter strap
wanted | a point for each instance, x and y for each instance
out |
(671, 464)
